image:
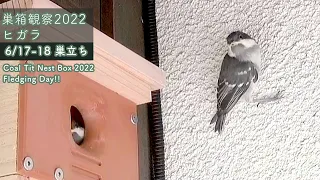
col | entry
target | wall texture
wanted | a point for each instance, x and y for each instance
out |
(273, 141)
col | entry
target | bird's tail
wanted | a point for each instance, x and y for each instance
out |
(219, 119)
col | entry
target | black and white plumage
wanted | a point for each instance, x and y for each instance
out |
(239, 72)
(78, 134)
(77, 125)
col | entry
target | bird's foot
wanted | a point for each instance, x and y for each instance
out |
(276, 97)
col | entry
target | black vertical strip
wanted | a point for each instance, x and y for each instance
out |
(154, 108)
(107, 17)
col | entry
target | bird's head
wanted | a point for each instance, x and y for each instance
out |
(238, 42)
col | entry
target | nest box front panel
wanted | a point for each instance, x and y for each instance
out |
(47, 113)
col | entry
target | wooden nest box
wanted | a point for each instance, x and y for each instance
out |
(35, 120)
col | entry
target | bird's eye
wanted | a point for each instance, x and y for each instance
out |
(240, 36)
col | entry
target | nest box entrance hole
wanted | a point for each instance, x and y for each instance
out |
(77, 125)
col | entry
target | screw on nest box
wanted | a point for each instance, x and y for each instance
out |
(134, 119)
(28, 163)
(58, 174)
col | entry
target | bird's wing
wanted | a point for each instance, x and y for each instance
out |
(234, 80)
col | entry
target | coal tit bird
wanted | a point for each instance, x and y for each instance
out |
(239, 74)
